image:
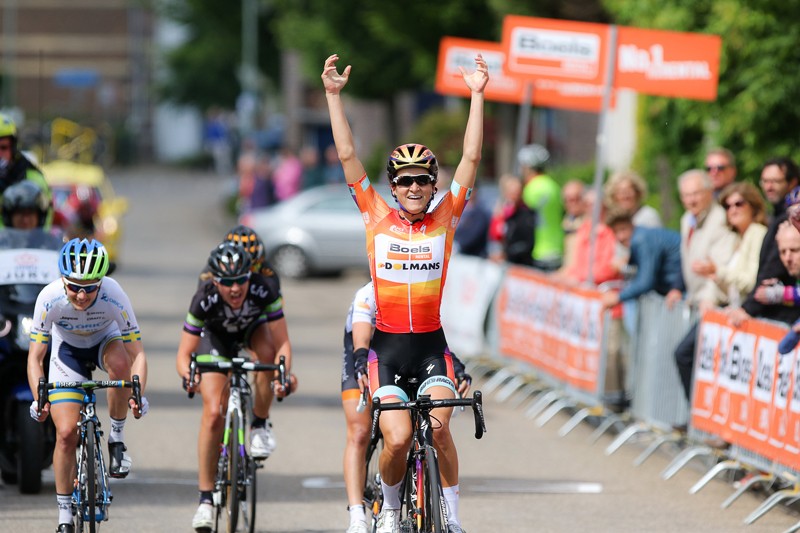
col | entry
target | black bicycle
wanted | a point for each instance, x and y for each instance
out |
(422, 504)
(373, 495)
(91, 496)
(235, 482)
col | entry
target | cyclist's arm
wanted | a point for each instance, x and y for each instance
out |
(36, 354)
(467, 168)
(342, 135)
(188, 345)
(135, 351)
(362, 334)
(279, 334)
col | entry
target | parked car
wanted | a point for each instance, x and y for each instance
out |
(318, 231)
(84, 197)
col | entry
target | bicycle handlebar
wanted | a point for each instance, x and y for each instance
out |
(240, 364)
(425, 403)
(89, 385)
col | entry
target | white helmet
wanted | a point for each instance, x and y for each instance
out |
(533, 156)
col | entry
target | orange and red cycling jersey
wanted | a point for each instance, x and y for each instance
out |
(408, 261)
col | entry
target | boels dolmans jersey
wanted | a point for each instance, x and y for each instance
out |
(408, 261)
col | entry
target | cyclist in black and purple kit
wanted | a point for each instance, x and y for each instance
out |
(235, 309)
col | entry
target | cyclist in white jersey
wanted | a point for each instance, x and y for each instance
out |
(88, 321)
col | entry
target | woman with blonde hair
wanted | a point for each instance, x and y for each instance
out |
(627, 190)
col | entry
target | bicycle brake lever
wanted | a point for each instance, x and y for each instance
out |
(137, 393)
(42, 389)
(477, 411)
(282, 375)
(192, 373)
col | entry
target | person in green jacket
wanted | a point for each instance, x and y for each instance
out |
(15, 167)
(542, 195)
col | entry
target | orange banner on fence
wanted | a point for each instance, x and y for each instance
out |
(668, 63)
(744, 390)
(556, 329)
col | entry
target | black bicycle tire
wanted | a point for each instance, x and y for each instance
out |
(407, 497)
(232, 501)
(372, 494)
(250, 495)
(91, 480)
(436, 513)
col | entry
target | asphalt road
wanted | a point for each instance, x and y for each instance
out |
(518, 478)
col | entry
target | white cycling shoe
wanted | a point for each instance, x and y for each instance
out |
(203, 520)
(454, 528)
(262, 442)
(389, 521)
(358, 527)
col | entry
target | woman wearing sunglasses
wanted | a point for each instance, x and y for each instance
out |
(235, 308)
(409, 249)
(89, 321)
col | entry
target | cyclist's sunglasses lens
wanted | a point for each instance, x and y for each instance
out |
(230, 282)
(419, 179)
(88, 289)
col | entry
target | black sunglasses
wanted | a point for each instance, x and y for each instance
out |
(419, 179)
(737, 203)
(88, 289)
(718, 168)
(230, 282)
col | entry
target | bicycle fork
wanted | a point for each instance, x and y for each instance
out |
(234, 409)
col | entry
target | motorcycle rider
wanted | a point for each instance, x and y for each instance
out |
(25, 206)
(15, 167)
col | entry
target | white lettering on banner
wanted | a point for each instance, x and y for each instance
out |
(38, 267)
(555, 45)
(465, 58)
(631, 58)
(570, 88)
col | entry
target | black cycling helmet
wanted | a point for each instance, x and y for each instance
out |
(24, 195)
(249, 240)
(229, 260)
(412, 155)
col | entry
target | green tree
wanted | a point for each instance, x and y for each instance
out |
(203, 71)
(758, 105)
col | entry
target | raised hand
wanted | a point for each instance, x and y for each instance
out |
(477, 80)
(331, 79)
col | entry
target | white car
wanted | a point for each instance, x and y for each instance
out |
(318, 231)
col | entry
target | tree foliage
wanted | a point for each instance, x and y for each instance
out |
(758, 105)
(204, 70)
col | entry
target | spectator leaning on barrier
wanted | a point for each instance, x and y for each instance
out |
(721, 166)
(655, 254)
(572, 194)
(543, 196)
(627, 190)
(704, 236)
(744, 208)
(513, 225)
(472, 234)
(779, 176)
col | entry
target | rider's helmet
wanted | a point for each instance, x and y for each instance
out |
(7, 127)
(83, 260)
(229, 260)
(533, 156)
(24, 195)
(249, 240)
(412, 155)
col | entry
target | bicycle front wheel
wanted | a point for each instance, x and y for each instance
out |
(435, 510)
(232, 482)
(87, 514)
(373, 495)
(248, 501)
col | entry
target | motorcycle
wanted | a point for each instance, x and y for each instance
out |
(28, 262)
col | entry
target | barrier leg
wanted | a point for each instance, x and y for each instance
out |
(511, 387)
(711, 474)
(553, 410)
(541, 402)
(500, 377)
(609, 421)
(479, 370)
(625, 436)
(746, 486)
(579, 417)
(683, 458)
(794, 528)
(526, 392)
(771, 502)
(653, 447)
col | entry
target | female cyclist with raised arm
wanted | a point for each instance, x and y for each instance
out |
(409, 249)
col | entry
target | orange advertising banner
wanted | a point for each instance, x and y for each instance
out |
(565, 60)
(744, 390)
(668, 63)
(455, 52)
(571, 56)
(556, 329)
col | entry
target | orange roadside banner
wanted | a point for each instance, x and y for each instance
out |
(668, 63)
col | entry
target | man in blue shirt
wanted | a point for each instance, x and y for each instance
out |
(654, 252)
